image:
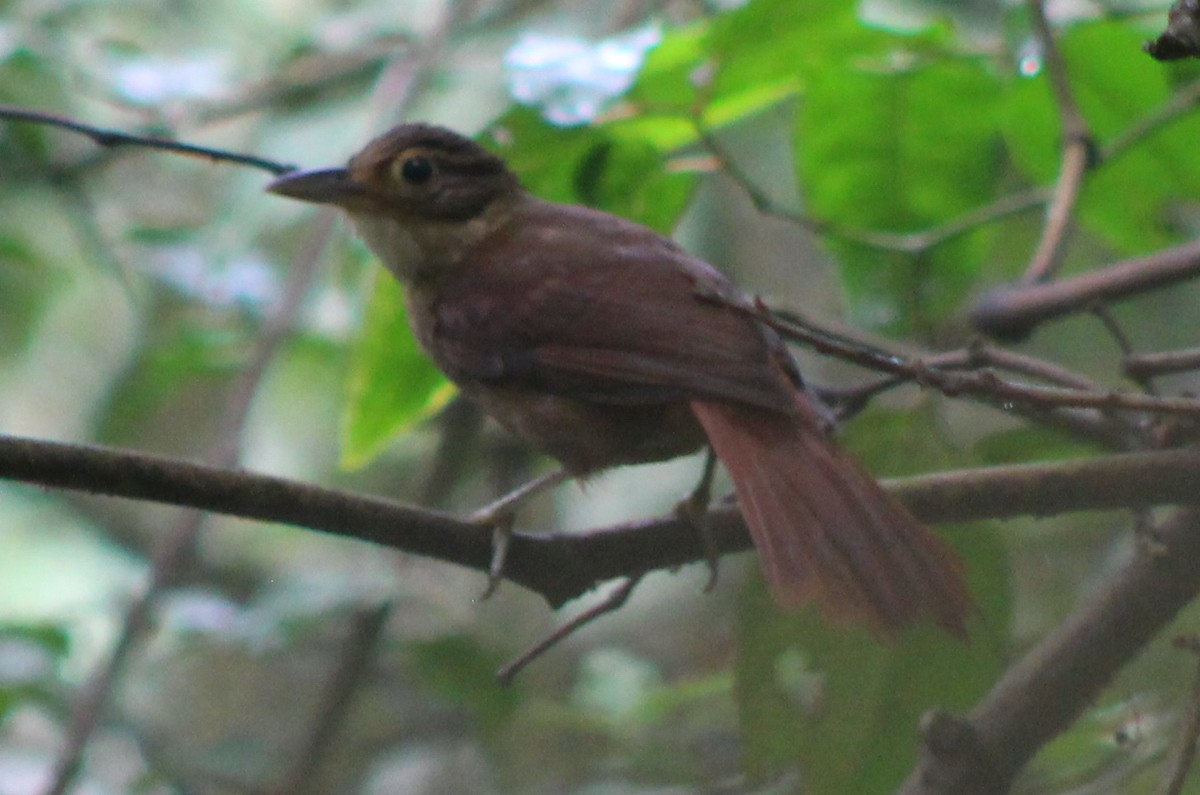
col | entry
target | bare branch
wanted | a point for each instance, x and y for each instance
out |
(114, 138)
(1076, 157)
(614, 601)
(1043, 693)
(1035, 700)
(982, 384)
(561, 567)
(366, 627)
(1149, 365)
(1013, 312)
(1048, 254)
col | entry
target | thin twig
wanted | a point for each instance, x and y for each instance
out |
(1110, 431)
(981, 384)
(1180, 104)
(1104, 314)
(761, 201)
(977, 355)
(114, 138)
(1076, 157)
(1012, 311)
(366, 626)
(1005, 206)
(304, 76)
(459, 425)
(173, 554)
(985, 354)
(408, 76)
(614, 601)
(1048, 254)
(1113, 327)
(1149, 365)
(903, 242)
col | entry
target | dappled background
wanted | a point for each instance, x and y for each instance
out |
(168, 305)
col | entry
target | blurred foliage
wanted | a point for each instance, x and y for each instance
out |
(133, 285)
(924, 124)
(29, 658)
(1126, 203)
(391, 382)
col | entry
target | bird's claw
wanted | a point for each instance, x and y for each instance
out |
(501, 537)
(695, 512)
(693, 509)
(501, 523)
(500, 516)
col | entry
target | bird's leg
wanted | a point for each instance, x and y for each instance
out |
(499, 516)
(693, 509)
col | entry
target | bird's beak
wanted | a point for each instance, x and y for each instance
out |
(323, 186)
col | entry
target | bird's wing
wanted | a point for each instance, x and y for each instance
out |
(625, 316)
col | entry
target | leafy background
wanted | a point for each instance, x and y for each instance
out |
(133, 286)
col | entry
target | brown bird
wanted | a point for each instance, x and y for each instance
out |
(600, 343)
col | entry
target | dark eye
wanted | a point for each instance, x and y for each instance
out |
(416, 170)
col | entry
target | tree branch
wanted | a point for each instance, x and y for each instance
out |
(1041, 694)
(562, 566)
(1013, 312)
(1151, 365)
(982, 384)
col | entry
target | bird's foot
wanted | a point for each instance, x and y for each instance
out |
(500, 517)
(693, 509)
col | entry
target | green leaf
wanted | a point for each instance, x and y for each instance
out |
(392, 384)
(895, 443)
(1022, 445)
(30, 655)
(901, 147)
(461, 670)
(178, 355)
(843, 707)
(666, 81)
(678, 79)
(786, 42)
(25, 288)
(628, 179)
(1114, 84)
(618, 167)
(728, 71)
(1110, 744)
(34, 79)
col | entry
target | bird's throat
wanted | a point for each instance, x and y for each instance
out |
(424, 250)
(394, 244)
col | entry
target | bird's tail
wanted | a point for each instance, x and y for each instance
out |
(825, 529)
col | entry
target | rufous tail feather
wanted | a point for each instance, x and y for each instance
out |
(826, 530)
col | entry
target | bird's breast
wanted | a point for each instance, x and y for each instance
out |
(586, 436)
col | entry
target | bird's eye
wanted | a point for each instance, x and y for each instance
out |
(416, 170)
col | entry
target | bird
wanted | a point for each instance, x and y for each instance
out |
(603, 343)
